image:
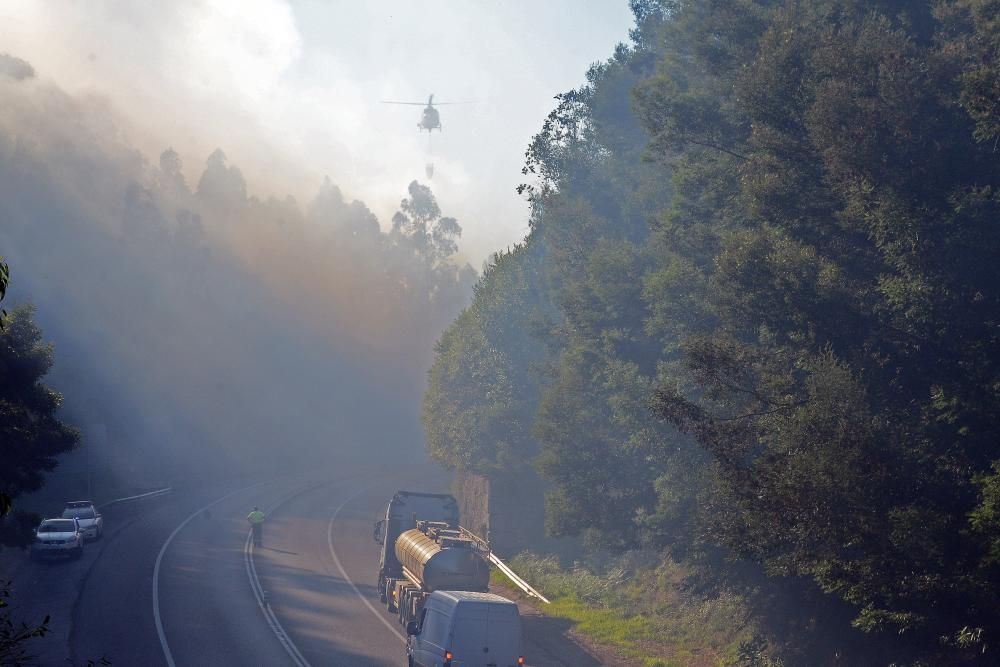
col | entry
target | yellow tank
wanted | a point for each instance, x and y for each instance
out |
(445, 564)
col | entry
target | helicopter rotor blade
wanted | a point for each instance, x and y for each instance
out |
(422, 104)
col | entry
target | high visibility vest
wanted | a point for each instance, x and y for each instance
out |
(256, 517)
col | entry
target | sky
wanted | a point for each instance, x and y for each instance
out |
(291, 91)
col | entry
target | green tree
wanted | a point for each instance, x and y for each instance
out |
(771, 222)
(483, 386)
(15, 635)
(419, 226)
(31, 434)
(844, 391)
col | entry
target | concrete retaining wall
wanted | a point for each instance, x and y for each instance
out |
(510, 509)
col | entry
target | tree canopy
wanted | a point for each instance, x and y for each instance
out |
(31, 433)
(763, 232)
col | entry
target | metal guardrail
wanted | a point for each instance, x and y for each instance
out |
(521, 583)
(151, 494)
(503, 567)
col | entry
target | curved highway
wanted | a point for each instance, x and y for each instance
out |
(305, 598)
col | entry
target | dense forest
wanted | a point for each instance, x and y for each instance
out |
(754, 325)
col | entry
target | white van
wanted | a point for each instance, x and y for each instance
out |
(465, 629)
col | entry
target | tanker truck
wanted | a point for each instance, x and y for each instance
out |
(423, 549)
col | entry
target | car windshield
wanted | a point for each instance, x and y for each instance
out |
(57, 527)
(78, 513)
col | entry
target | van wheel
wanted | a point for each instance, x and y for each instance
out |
(77, 553)
(409, 661)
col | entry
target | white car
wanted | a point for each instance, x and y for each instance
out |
(58, 537)
(91, 523)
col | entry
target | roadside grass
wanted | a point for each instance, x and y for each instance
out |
(642, 606)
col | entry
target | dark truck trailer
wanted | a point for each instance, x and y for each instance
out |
(424, 550)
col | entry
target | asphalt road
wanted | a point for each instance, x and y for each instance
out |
(304, 598)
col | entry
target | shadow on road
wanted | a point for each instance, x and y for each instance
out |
(549, 644)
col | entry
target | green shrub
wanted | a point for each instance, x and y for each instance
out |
(642, 605)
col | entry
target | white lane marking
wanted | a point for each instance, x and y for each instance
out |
(258, 592)
(333, 552)
(258, 589)
(167, 655)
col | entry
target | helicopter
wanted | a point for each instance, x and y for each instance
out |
(430, 119)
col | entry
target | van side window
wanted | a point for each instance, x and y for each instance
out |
(437, 628)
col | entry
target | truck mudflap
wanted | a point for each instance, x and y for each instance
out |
(389, 594)
(410, 602)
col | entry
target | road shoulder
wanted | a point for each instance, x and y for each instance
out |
(553, 642)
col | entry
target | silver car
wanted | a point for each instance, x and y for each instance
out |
(58, 537)
(91, 523)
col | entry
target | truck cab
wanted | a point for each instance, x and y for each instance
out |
(465, 629)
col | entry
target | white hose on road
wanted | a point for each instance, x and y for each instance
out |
(151, 494)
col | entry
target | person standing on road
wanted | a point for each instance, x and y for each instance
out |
(256, 519)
